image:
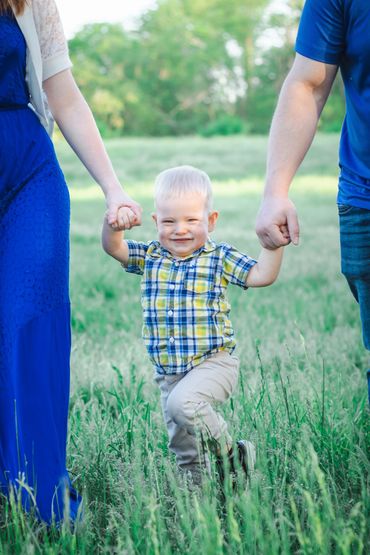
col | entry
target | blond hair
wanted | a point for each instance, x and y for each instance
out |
(182, 180)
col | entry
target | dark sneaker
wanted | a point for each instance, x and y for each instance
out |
(244, 457)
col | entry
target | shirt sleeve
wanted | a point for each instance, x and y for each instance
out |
(236, 266)
(53, 43)
(321, 32)
(136, 257)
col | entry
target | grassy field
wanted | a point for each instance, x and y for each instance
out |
(301, 397)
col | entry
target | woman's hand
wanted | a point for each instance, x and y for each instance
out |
(126, 219)
(117, 199)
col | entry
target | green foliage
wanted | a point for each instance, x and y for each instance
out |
(333, 113)
(97, 52)
(223, 125)
(190, 67)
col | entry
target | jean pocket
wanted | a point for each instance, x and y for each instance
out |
(345, 209)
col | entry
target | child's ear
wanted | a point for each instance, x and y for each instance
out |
(212, 219)
(154, 216)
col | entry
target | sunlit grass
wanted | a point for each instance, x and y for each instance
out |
(311, 184)
(236, 158)
(301, 397)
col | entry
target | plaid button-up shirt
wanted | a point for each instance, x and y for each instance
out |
(185, 310)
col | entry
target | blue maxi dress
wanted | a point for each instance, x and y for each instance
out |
(35, 335)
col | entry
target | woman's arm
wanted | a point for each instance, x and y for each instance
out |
(75, 120)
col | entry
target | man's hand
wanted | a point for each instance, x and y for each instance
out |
(277, 223)
(118, 219)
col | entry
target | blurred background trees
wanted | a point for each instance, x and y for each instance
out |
(206, 67)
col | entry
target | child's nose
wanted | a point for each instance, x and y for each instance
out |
(181, 227)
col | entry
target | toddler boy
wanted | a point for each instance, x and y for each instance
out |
(186, 328)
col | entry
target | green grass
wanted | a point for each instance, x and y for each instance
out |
(301, 397)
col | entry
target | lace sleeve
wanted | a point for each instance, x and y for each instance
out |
(53, 44)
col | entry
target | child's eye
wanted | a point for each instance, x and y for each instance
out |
(192, 220)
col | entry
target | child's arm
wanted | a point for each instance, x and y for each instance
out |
(267, 268)
(112, 241)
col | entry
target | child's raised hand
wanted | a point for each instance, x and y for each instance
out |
(126, 219)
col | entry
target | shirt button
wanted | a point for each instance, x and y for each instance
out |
(170, 312)
(177, 263)
(172, 340)
(172, 286)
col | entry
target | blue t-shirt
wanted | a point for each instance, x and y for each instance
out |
(338, 32)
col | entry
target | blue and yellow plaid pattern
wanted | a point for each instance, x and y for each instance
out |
(185, 310)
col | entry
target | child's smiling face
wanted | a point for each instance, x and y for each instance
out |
(183, 223)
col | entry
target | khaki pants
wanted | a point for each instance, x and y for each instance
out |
(188, 402)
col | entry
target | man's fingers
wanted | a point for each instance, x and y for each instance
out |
(273, 238)
(277, 223)
(293, 226)
(285, 232)
(277, 238)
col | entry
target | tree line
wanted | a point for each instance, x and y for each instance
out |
(192, 67)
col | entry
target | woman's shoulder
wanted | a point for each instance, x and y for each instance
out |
(50, 33)
(44, 10)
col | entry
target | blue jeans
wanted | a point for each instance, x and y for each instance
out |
(354, 226)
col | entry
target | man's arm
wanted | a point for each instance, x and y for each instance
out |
(302, 98)
(267, 268)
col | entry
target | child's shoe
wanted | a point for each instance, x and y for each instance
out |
(246, 459)
(247, 456)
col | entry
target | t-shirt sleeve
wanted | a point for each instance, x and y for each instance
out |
(321, 32)
(236, 266)
(136, 257)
